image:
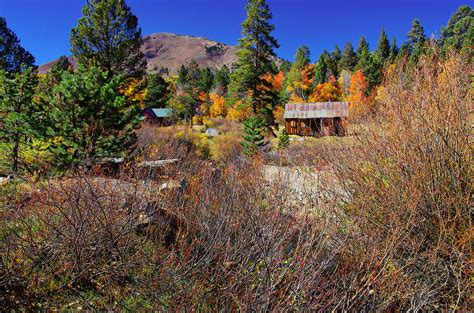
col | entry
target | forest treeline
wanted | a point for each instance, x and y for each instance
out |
(103, 211)
(92, 110)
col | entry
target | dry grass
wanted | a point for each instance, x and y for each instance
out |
(393, 233)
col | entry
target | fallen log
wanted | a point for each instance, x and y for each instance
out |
(157, 163)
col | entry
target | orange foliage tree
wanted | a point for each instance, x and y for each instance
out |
(329, 91)
(358, 100)
(300, 89)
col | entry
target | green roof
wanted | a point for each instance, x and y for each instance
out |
(163, 112)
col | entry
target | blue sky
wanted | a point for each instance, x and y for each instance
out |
(43, 26)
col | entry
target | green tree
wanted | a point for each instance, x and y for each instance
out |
(16, 109)
(302, 59)
(393, 50)
(416, 40)
(194, 76)
(295, 76)
(416, 35)
(107, 36)
(190, 83)
(283, 140)
(362, 46)
(348, 58)
(336, 57)
(222, 80)
(13, 57)
(383, 46)
(321, 71)
(91, 117)
(253, 138)
(182, 76)
(157, 94)
(285, 67)
(255, 58)
(207, 80)
(459, 32)
(371, 65)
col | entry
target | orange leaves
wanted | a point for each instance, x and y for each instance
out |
(329, 91)
(358, 100)
(300, 89)
(276, 81)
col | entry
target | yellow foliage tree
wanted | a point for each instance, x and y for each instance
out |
(238, 112)
(218, 107)
(134, 90)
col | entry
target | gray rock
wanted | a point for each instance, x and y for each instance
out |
(212, 132)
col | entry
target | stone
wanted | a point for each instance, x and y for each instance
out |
(212, 132)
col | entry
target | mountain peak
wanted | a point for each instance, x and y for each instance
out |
(170, 50)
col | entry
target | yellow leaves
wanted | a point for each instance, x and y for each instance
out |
(238, 112)
(218, 107)
(134, 90)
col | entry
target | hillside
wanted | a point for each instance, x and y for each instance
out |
(171, 51)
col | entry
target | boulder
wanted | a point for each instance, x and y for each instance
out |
(212, 132)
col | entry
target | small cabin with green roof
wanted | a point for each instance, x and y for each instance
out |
(160, 117)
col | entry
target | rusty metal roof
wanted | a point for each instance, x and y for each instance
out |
(316, 110)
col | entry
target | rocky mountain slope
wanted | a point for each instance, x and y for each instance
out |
(166, 50)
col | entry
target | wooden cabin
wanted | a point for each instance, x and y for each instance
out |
(316, 119)
(159, 117)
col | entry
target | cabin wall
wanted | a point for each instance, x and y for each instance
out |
(315, 127)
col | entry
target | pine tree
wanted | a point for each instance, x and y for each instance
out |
(321, 71)
(302, 59)
(393, 50)
(285, 67)
(348, 58)
(222, 80)
(91, 116)
(335, 60)
(182, 76)
(383, 46)
(107, 36)
(295, 76)
(253, 138)
(371, 65)
(190, 83)
(459, 32)
(157, 94)
(416, 34)
(17, 91)
(362, 46)
(207, 80)
(416, 40)
(255, 58)
(13, 57)
(283, 140)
